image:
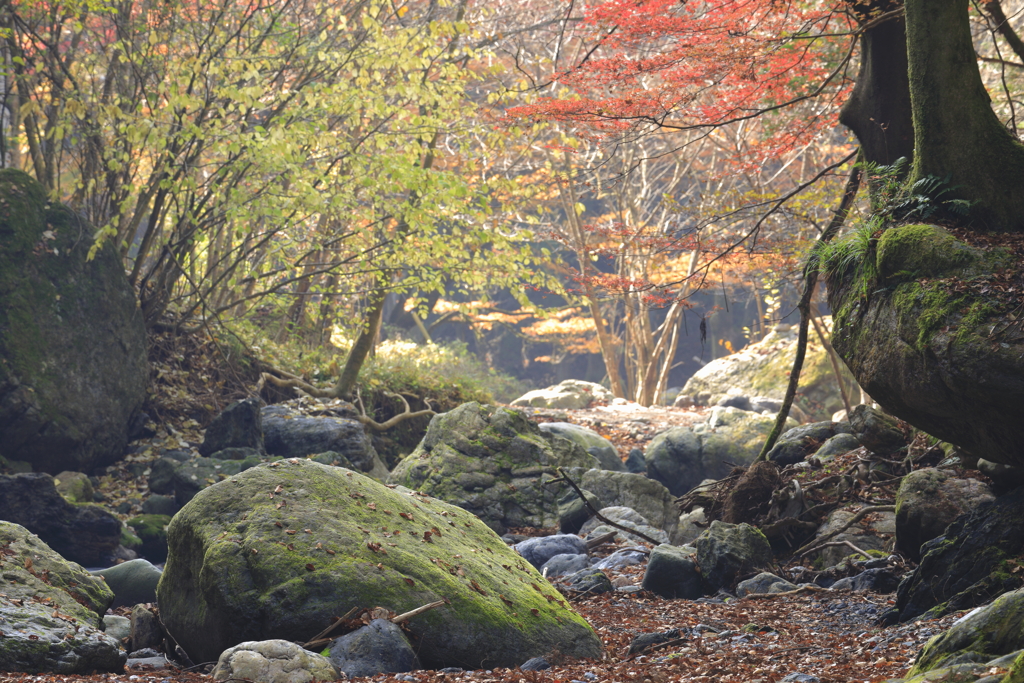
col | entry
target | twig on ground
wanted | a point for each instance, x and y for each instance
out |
(601, 517)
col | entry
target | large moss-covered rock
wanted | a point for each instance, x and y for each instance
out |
(982, 635)
(927, 501)
(50, 611)
(276, 551)
(970, 564)
(592, 442)
(73, 367)
(492, 462)
(762, 369)
(930, 351)
(727, 551)
(648, 497)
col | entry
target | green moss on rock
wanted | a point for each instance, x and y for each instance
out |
(277, 550)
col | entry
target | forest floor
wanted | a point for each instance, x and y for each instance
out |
(828, 635)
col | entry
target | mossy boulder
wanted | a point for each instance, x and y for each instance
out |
(874, 532)
(927, 501)
(727, 551)
(928, 349)
(762, 369)
(277, 550)
(648, 497)
(51, 611)
(73, 368)
(493, 462)
(984, 634)
(970, 564)
(151, 531)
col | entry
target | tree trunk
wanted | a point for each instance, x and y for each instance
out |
(956, 133)
(878, 110)
(363, 344)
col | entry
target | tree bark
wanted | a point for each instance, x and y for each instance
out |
(956, 133)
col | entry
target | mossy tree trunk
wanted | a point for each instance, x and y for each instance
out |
(956, 133)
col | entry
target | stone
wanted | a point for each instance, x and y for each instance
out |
(592, 442)
(672, 573)
(764, 582)
(796, 444)
(287, 433)
(75, 487)
(691, 525)
(158, 504)
(649, 498)
(272, 661)
(117, 627)
(568, 563)
(540, 549)
(878, 580)
(988, 632)
(682, 457)
(535, 664)
(570, 394)
(646, 640)
(627, 517)
(145, 629)
(86, 534)
(875, 532)
(152, 532)
(240, 425)
(625, 557)
(725, 551)
(72, 337)
(762, 370)
(241, 566)
(839, 444)
(1004, 477)
(635, 462)
(379, 647)
(190, 477)
(63, 634)
(590, 580)
(492, 462)
(133, 582)
(945, 361)
(876, 431)
(161, 476)
(927, 501)
(573, 513)
(969, 565)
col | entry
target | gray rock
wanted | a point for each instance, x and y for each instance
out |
(272, 661)
(63, 634)
(145, 629)
(635, 463)
(158, 504)
(646, 640)
(560, 565)
(161, 476)
(628, 518)
(75, 487)
(987, 632)
(570, 394)
(133, 582)
(535, 664)
(592, 442)
(238, 426)
(725, 551)
(152, 532)
(764, 583)
(876, 431)
(961, 569)
(288, 433)
(117, 627)
(189, 478)
(672, 573)
(873, 533)
(1005, 477)
(622, 489)
(71, 334)
(879, 580)
(86, 534)
(155, 662)
(796, 444)
(492, 462)
(691, 525)
(589, 580)
(572, 513)
(272, 579)
(621, 558)
(800, 678)
(539, 550)
(378, 647)
(927, 501)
